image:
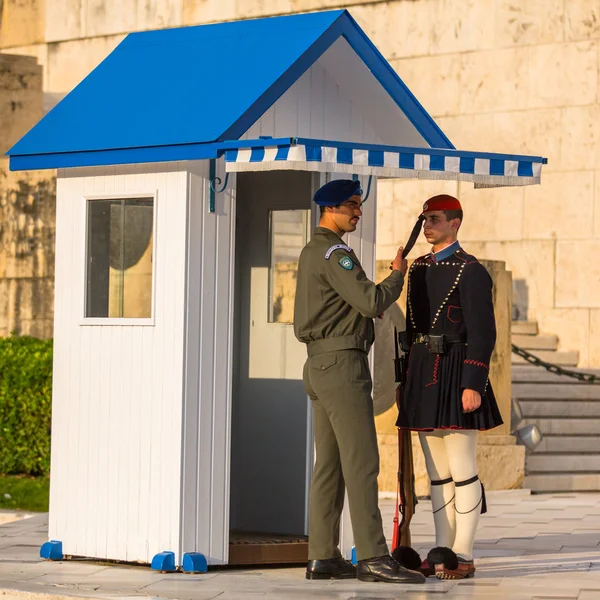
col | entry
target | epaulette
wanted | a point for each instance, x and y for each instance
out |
(421, 260)
(337, 247)
(465, 257)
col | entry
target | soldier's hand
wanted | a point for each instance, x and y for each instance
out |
(399, 263)
(471, 400)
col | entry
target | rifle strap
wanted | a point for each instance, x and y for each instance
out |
(414, 234)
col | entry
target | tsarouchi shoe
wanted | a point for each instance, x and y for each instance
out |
(426, 569)
(407, 557)
(465, 569)
(448, 565)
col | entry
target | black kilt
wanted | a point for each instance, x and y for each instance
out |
(432, 398)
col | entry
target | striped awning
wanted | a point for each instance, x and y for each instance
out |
(484, 169)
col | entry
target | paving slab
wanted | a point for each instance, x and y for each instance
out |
(528, 548)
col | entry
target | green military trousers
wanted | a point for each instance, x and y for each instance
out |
(339, 386)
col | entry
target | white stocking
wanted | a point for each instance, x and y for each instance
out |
(442, 496)
(461, 449)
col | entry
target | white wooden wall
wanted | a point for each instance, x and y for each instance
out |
(117, 390)
(207, 412)
(338, 99)
(314, 107)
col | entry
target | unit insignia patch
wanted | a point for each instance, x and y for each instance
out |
(346, 263)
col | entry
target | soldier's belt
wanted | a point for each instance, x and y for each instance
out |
(423, 338)
(333, 344)
(438, 343)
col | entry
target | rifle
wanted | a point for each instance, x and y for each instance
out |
(406, 498)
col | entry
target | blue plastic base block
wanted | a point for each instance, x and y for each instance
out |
(164, 561)
(353, 556)
(52, 550)
(194, 562)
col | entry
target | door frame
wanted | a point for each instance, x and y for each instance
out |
(365, 249)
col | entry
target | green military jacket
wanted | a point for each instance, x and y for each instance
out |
(335, 302)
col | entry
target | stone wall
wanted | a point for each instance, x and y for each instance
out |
(497, 75)
(513, 77)
(27, 209)
(27, 229)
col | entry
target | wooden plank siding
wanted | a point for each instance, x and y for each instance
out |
(118, 390)
(314, 107)
(339, 99)
(207, 413)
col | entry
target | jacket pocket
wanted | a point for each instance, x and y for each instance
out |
(454, 314)
(324, 362)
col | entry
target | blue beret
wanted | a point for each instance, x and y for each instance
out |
(337, 191)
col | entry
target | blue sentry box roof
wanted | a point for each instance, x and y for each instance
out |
(199, 85)
(184, 85)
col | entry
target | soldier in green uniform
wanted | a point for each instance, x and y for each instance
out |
(333, 315)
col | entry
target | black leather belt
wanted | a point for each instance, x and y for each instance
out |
(423, 338)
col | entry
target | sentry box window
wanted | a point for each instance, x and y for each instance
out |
(119, 258)
(290, 230)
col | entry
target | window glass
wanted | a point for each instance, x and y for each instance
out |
(119, 258)
(289, 230)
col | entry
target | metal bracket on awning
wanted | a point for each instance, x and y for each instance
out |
(213, 182)
(368, 189)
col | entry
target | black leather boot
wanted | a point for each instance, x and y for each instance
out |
(330, 568)
(385, 568)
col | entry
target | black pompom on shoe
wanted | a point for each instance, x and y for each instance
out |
(443, 556)
(407, 557)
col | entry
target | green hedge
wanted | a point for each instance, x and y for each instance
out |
(25, 405)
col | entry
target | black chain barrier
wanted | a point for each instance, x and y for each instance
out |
(538, 362)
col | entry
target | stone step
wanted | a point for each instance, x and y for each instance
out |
(565, 426)
(561, 463)
(552, 391)
(576, 409)
(524, 327)
(566, 358)
(568, 444)
(535, 342)
(562, 482)
(529, 374)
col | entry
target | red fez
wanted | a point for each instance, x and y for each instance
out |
(442, 202)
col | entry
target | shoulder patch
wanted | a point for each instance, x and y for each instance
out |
(346, 263)
(337, 247)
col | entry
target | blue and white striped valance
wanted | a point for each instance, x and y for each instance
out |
(483, 169)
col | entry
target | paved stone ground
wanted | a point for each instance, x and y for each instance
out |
(529, 548)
